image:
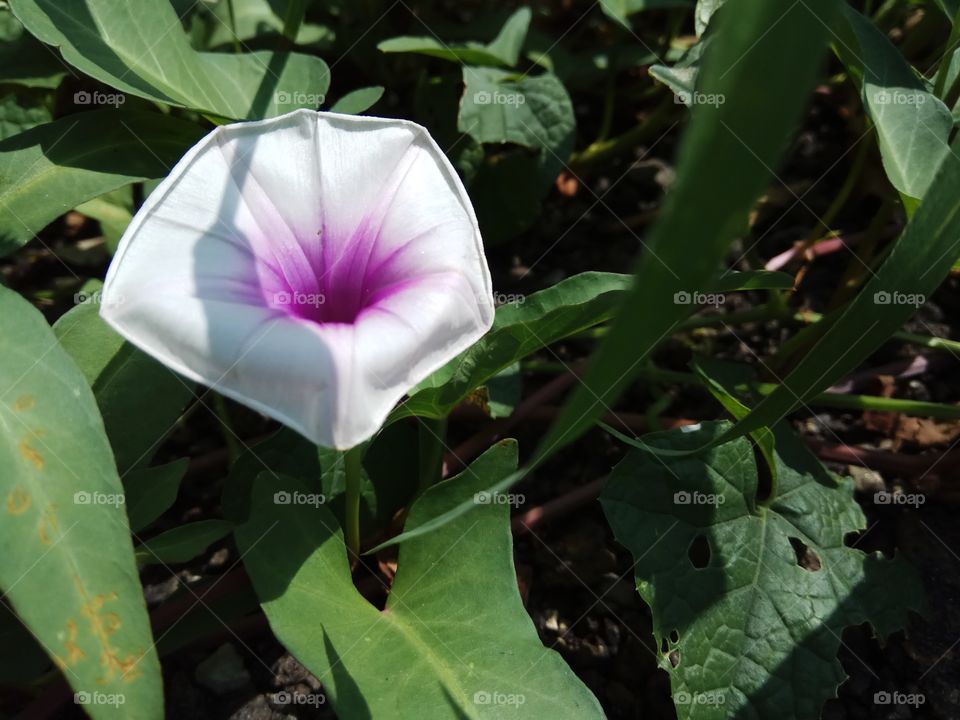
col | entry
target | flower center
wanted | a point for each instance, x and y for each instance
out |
(331, 282)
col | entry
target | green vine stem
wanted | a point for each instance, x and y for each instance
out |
(843, 401)
(603, 150)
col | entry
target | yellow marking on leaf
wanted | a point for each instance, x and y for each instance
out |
(74, 653)
(30, 453)
(24, 402)
(49, 527)
(103, 625)
(18, 501)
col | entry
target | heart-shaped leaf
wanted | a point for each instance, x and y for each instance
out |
(750, 596)
(454, 640)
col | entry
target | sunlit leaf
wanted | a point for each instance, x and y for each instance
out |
(454, 641)
(65, 534)
(107, 40)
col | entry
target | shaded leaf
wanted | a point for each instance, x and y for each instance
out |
(150, 492)
(182, 543)
(24, 60)
(140, 399)
(535, 321)
(750, 599)
(21, 110)
(500, 106)
(114, 211)
(52, 168)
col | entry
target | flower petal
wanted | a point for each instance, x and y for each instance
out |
(363, 218)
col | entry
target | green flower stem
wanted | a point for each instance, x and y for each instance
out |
(353, 467)
(431, 446)
(226, 426)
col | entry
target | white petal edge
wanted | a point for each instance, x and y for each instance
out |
(325, 428)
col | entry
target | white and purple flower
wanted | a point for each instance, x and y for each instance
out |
(313, 266)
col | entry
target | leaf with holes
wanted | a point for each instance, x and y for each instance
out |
(454, 640)
(750, 596)
(66, 561)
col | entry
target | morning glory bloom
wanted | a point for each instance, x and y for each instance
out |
(313, 266)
